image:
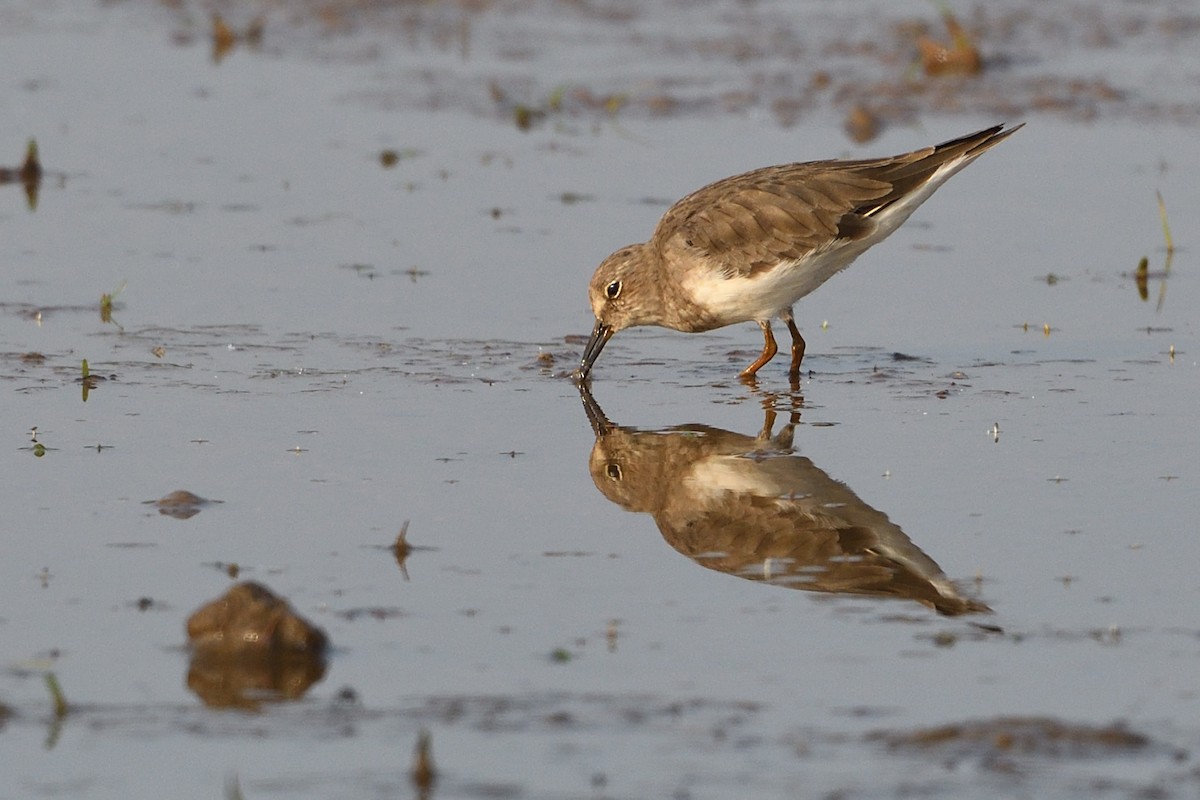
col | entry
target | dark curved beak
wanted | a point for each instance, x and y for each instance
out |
(600, 336)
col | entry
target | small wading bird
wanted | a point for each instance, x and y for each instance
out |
(748, 247)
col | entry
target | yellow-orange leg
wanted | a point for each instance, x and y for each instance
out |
(769, 351)
(797, 348)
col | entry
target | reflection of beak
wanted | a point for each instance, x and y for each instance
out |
(600, 336)
(595, 414)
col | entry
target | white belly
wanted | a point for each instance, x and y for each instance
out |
(766, 295)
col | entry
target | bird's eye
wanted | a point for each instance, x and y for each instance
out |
(613, 290)
(613, 471)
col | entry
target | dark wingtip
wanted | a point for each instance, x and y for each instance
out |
(981, 140)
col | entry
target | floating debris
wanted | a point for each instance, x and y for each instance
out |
(401, 549)
(61, 707)
(29, 174)
(561, 101)
(106, 306)
(30, 170)
(1142, 275)
(960, 57)
(224, 37)
(37, 448)
(233, 788)
(1162, 213)
(423, 773)
(861, 125)
(1141, 278)
(525, 117)
(87, 379)
(180, 504)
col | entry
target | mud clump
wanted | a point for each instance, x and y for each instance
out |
(180, 504)
(249, 646)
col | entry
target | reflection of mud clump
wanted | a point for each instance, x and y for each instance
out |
(995, 741)
(249, 646)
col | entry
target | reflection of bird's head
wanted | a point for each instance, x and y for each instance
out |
(620, 469)
(648, 470)
(627, 467)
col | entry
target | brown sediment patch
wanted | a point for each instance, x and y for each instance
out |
(995, 742)
(1009, 62)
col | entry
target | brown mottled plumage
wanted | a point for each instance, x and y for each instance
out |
(748, 247)
(750, 507)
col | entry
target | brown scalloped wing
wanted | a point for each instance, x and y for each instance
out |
(752, 222)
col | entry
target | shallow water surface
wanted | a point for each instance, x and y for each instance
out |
(956, 560)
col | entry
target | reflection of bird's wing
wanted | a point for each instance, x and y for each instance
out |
(784, 520)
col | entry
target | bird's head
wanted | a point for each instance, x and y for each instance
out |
(622, 296)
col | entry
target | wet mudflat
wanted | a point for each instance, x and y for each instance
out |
(346, 264)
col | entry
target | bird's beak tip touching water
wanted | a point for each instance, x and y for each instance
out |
(601, 333)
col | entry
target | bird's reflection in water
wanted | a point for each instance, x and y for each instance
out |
(751, 507)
